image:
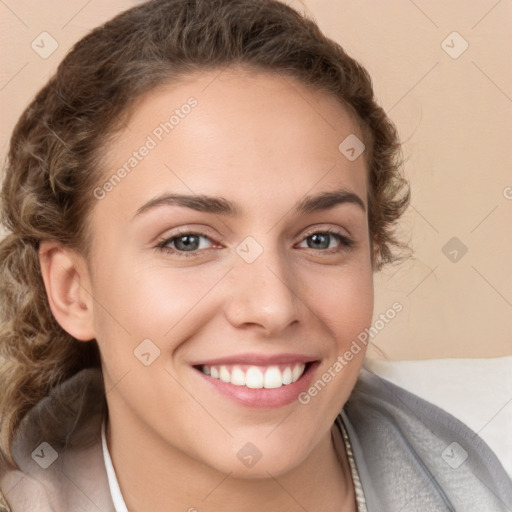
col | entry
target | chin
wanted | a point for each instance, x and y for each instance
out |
(257, 460)
(275, 468)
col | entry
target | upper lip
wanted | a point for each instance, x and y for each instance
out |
(257, 360)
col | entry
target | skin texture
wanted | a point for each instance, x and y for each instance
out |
(264, 142)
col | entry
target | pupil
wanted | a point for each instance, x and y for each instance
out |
(317, 237)
(187, 241)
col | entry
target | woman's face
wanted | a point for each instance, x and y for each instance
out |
(234, 277)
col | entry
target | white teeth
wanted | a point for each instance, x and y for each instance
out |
(287, 376)
(297, 371)
(237, 376)
(224, 374)
(273, 378)
(256, 377)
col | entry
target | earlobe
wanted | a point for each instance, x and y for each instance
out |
(67, 287)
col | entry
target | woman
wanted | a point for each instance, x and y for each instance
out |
(197, 202)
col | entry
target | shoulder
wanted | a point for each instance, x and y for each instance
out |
(413, 454)
(58, 451)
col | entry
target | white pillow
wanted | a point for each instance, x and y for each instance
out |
(478, 392)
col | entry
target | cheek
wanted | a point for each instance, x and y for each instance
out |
(165, 296)
(137, 301)
(342, 300)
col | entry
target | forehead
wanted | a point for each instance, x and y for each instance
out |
(233, 132)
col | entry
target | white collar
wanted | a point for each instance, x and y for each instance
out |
(115, 491)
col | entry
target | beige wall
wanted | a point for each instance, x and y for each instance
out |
(454, 114)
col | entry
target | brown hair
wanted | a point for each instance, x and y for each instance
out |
(56, 146)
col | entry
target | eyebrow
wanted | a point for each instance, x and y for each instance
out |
(221, 206)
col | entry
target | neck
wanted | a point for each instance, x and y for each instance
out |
(152, 482)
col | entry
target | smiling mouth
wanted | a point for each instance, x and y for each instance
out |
(256, 377)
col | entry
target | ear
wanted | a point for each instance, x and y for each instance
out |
(67, 283)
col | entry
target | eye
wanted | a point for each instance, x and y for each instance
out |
(183, 243)
(321, 240)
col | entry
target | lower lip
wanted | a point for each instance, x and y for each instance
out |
(263, 398)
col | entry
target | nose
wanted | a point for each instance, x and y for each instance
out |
(263, 293)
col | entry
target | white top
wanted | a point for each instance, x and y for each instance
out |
(117, 497)
(120, 505)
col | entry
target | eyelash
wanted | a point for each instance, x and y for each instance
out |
(346, 243)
